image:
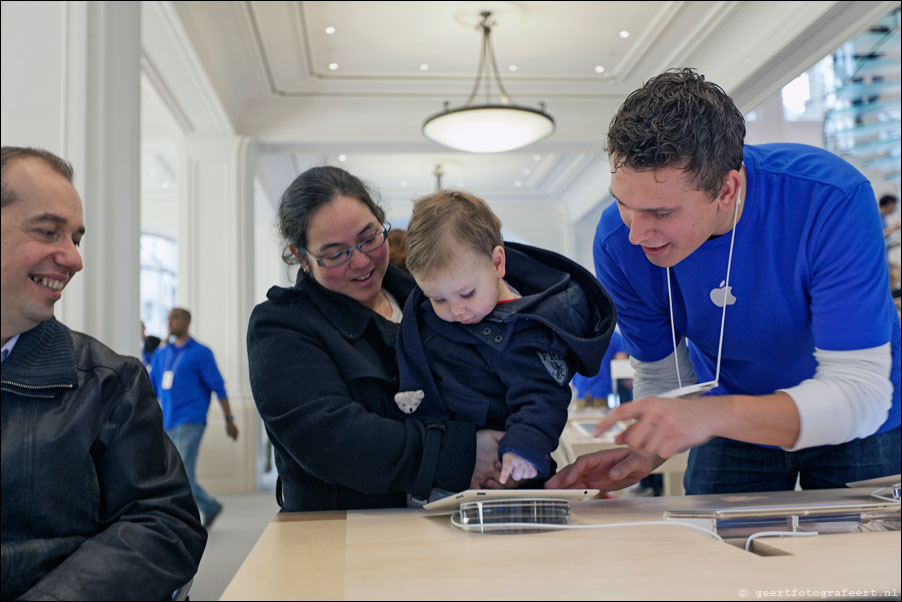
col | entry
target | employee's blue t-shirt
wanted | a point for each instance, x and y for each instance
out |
(195, 376)
(808, 270)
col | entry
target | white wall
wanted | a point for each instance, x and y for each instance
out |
(584, 235)
(539, 223)
(269, 269)
(70, 85)
(35, 86)
(159, 214)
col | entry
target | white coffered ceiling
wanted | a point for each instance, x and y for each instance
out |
(262, 70)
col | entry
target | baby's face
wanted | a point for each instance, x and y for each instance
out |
(468, 289)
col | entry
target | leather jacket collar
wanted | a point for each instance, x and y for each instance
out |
(43, 359)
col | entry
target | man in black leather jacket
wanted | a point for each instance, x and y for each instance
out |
(95, 501)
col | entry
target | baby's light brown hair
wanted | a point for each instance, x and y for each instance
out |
(445, 221)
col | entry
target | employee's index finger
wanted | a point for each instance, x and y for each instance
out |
(610, 419)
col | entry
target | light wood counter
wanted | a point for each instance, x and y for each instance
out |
(409, 554)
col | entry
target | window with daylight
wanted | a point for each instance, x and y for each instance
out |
(159, 281)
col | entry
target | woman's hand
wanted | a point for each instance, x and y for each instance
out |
(486, 457)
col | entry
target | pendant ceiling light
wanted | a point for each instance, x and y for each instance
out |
(492, 127)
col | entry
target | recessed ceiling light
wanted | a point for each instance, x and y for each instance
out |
(537, 158)
(624, 34)
(330, 31)
(599, 69)
(518, 183)
(512, 68)
(342, 158)
(424, 67)
(527, 171)
(333, 66)
(165, 185)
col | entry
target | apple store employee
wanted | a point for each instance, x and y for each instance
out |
(784, 298)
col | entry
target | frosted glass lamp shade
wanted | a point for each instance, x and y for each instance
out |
(488, 128)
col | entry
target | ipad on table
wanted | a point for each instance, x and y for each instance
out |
(784, 510)
(452, 502)
(586, 428)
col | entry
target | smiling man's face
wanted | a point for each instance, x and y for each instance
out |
(666, 213)
(41, 230)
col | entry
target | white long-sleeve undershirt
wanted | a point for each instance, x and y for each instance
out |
(848, 397)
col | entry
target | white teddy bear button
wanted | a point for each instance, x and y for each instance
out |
(409, 401)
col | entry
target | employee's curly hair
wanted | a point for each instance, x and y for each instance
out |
(677, 119)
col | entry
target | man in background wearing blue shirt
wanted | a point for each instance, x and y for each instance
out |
(184, 373)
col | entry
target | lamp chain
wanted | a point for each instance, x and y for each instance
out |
(488, 50)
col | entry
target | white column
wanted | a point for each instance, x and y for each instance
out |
(216, 284)
(70, 84)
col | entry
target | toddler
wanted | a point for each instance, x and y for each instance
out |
(495, 331)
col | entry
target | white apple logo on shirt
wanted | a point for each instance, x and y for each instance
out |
(722, 293)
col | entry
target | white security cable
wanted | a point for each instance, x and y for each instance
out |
(894, 487)
(754, 536)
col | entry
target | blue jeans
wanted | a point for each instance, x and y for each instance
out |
(186, 438)
(727, 466)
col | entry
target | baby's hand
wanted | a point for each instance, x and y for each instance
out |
(409, 401)
(516, 467)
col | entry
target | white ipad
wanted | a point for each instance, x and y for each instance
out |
(586, 428)
(801, 509)
(452, 502)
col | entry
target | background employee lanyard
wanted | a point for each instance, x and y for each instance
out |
(169, 374)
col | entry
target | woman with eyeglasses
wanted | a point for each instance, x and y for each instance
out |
(323, 365)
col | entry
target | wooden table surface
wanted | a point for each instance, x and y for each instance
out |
(408, 554)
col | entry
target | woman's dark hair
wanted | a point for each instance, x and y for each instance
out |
(310, 191)
(679, 120)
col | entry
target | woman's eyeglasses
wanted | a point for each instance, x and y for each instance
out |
(367, 245)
